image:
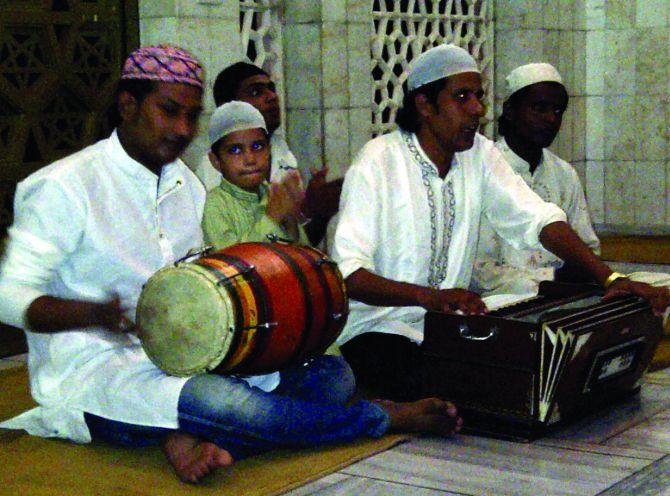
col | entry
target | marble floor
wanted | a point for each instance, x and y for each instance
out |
(624, 450)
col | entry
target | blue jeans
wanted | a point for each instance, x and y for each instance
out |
(308, 408)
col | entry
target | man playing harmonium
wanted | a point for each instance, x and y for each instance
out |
(411, 206)
(88, 232)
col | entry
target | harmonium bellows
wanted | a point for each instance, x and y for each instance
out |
(528, 367)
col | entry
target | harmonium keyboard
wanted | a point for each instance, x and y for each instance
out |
(521, 370)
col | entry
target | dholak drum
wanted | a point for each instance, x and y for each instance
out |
(249, 308)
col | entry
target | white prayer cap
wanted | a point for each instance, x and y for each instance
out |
(528, 74)
(234, 116)
(437, 63)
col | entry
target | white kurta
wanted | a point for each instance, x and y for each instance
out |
(282, 161)
(91, 226)
(385, 221)
(500, 267)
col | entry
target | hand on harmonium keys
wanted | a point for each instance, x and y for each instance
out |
(455, 300)
(657, 296)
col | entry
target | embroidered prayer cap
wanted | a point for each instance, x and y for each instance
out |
(528, 74)
(439, 62)
(164, 63)
(234, 116)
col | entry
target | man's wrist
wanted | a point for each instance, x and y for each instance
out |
(614, 276)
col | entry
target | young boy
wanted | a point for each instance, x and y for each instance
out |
(244, 207)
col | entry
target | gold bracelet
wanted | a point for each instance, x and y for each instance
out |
(613, 277)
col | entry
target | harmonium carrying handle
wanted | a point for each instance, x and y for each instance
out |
(465, 332)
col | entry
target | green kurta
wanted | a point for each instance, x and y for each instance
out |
(233, 215)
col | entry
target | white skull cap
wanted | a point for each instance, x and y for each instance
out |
(528, 74)
(438, 63)
(234, 116)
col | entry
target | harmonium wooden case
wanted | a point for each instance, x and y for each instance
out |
(527, 368)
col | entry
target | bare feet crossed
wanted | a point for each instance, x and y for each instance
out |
(193, 458)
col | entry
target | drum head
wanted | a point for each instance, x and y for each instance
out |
(186, 320)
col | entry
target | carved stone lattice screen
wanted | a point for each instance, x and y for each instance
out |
(403, 29)
(261, 37)
(59, 62)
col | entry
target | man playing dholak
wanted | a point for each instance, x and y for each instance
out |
(88, 232)
(535, 100)
(411, 206)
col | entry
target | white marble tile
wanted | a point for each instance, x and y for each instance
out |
(198, 147)
(302, 11)
(567, 444)
(620, 61)
(334, 10)
(653, 434)
(551, 50)
(600, 426)
(157, 8)
(594, 14)
(578, 104)
(619, 195)
(621, 129)
(360, 122)
(566, 58)
(654, 479)
(358, 11)
(342, 485)
(596, 58)
(516, 47)
(595, 127)
(649, 190)
(620, 14)
(304, 136)
(651, 127)
(334, 65)
(595, 190)
(519, 14)
(218, 9)
(579, 63)
(336, 141)
(157, 30)
(651, 65)
(472, 465)
(652, 13)
(553, 14)
(359, 65)
(302, 69)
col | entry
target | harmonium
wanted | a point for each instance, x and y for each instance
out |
(524, 369)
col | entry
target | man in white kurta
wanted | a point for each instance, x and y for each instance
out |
(410, 212)
(89, 230)
(501, 268)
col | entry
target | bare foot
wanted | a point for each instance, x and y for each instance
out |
(193, 458)
(428, 416)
